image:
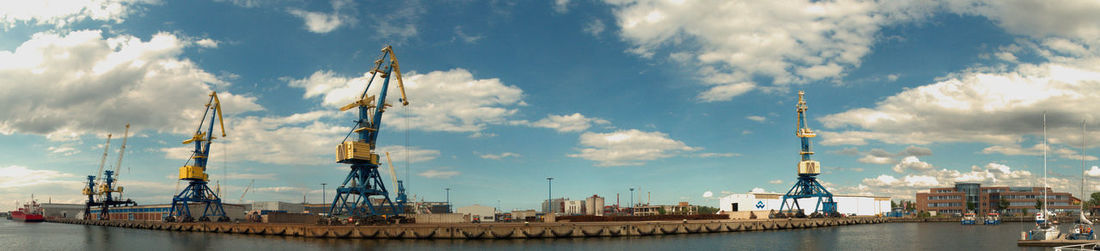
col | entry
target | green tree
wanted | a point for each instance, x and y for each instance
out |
(1038, 204)
(970, 206)
(1094, 199)
(1002, 205)
(707, 210)
(893, 204)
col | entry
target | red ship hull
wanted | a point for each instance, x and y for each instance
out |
(20, 216)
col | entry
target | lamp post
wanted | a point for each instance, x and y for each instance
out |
(448, 199)
(631, 201)
(323, 196)
(549, 195)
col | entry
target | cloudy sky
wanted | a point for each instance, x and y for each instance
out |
(686, 100)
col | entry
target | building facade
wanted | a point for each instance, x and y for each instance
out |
(594, 205)
(555, 205)
(972, 197)
(574, 207)
(478, 213)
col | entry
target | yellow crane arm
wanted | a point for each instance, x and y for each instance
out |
(218, 109)
(393, 174)
(397, 71)
(103, 161)
(122, 151)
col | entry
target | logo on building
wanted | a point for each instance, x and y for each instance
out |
(760, 204)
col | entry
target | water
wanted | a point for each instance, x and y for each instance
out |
(889, 236)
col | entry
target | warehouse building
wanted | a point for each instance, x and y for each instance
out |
(846, 204)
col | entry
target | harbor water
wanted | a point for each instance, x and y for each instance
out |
(887, 236)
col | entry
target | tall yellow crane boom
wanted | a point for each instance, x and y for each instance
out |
(393, 173)
(122, 150)
(103, 161)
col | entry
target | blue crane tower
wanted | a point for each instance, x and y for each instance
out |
(90, 190)
(807, 185)
(362, 197)
(195, 174)
(108, 188)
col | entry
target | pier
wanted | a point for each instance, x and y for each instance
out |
(488, 230)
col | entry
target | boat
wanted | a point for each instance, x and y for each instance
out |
(30, 212)
(1044, 229)
(993, 219)
(1082, 230)
(969, 219)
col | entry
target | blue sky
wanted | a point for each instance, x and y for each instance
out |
(677, 98)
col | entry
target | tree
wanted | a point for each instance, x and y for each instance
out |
(893, 204)
(1038, 204)
(1003, 204)
(970, 206)
(707, 210)
(1094, 200)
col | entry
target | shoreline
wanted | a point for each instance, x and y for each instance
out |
(489, 230)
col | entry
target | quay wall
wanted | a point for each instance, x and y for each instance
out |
(489, 230)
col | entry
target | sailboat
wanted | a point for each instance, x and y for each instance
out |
(1045, 229)
(1083, 229)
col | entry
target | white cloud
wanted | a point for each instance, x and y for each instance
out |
(65, 13)
(912, 163)
(82, 82)
(1036, 150)
(63, 150)
(320, 22)
(1073, 19)
(871, 159)
(978, 105)
(595, 27)
(708, 194)
(207, 43)
(757, 118)
(469, 39)
(733, 42)
(715, 155)
(759, 190)
(775, 182)
(499, 156)
(19, 176)
(1094, 171)
(726, 91)
(628, 147)
(295, 139)
(575, 122)
(561, 6)
(415, 154)
(441, 101)
(438, 174)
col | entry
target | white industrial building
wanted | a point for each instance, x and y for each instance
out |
(846, 204)
(593, 205)
(479, 212)
(574, 207)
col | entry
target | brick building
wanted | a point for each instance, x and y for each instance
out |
(966, 197)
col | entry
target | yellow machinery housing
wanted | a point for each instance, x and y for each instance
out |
(355, 150)
(192, 173)
(809, 167)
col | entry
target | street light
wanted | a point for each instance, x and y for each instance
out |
(323, 196)
(549, 195)
(631, 201)
(448, 199)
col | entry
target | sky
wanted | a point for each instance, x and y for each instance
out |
(682, 100)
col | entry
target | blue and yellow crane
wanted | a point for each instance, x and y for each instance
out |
(808, 169)
(90, 190)
(194, 171)
(362, 197)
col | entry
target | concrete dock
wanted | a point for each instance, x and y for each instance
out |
(489, 230)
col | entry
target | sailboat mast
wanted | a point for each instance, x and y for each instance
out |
(1045, 164)
(1083, 170)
